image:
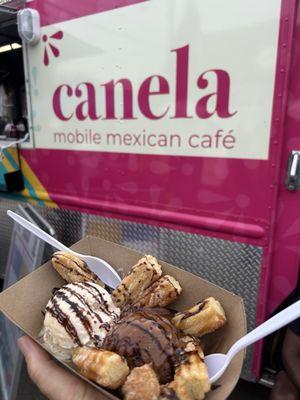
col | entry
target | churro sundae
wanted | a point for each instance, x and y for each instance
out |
(130, 341)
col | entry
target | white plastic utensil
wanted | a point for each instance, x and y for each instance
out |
(217, 363)
(100, 267)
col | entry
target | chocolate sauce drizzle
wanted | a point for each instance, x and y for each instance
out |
(83, 302)
(54, 290)
(144, 337)
(63, 266)
(104, 305)
(64, 320)
(81, 309)
(198, 307)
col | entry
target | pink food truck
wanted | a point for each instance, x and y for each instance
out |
(171, 126)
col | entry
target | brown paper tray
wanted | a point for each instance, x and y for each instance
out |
(23, 302)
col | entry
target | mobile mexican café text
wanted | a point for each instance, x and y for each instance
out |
(219, 139)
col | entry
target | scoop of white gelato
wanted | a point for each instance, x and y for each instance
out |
(78, 314)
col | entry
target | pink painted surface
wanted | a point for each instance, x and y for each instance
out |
(288, 15)
(208, 187)
(242, 200)
(286, 251)
(53, 11)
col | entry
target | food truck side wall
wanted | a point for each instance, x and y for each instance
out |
(227, 218)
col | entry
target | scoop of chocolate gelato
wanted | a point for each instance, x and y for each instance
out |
(146, 337)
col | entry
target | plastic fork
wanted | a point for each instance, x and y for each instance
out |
(217, 363)
(100, 267)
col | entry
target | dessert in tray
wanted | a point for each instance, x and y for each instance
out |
(130, 341)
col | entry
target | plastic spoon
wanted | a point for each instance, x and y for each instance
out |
(100, 267)
(217, 363)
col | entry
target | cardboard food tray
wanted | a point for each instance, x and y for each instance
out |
(23, 303)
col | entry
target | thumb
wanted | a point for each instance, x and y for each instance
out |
(53, 381)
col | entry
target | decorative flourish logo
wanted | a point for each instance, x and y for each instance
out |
(50, 46)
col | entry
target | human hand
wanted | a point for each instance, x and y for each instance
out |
(53, 381)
